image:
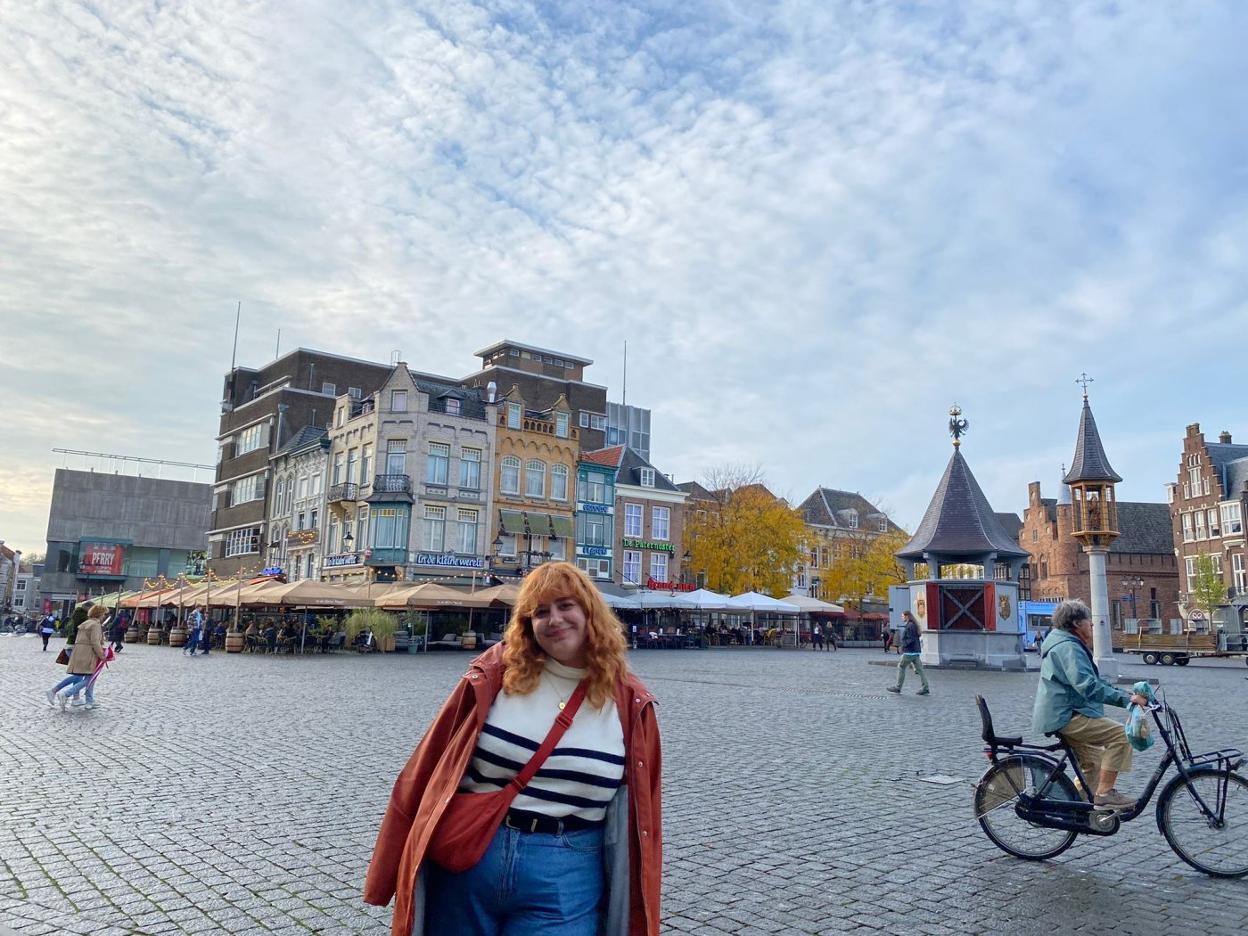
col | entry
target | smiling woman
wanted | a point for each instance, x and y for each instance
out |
(577, 844)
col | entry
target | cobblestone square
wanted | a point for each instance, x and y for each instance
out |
(241, 795)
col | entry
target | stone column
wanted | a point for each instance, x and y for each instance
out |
(1102, 635)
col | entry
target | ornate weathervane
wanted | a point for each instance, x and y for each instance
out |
(1084, 379)
(957, 425)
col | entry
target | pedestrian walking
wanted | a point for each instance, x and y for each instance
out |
(119, 632)
(911, 647)
(88, 650)
(816, 637)
(196, 621)
(888, 639)
(572, 850)
(46, 629)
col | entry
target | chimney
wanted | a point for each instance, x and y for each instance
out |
(1224, 437)
(1033, 492)
(1193, 430)
(491, 391)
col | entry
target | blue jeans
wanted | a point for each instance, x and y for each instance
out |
(73, 684)
(527, 884)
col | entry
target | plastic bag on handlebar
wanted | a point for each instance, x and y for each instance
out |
(1139, 731)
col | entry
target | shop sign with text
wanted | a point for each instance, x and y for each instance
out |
(647, 544)
(450, 561)
(655, 585)
(586, 507)
(342, 559)
(602, 551)
(101, 559)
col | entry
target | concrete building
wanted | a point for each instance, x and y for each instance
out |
(1208, 503)
(629, 425)
(1141, 571)
(110, 531)
(260, 409)
(296, 513)
(536, 455)
(543, 376)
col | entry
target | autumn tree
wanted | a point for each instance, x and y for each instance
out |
(741, 536)
(864, 566)
(1207, 590)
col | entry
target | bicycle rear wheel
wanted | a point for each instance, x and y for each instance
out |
(997, 795)
(1220, 850)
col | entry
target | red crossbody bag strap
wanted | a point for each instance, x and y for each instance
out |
(562, 723)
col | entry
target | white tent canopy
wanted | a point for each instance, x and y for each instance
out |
(808, 604)
(706, 600)
(753, 601)
(648, 600)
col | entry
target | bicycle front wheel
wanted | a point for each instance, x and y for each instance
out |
(997, 795)
(1217, 846)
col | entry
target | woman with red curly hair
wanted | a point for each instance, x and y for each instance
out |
(579, 851)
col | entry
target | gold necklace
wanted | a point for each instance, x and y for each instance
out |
(563, 700)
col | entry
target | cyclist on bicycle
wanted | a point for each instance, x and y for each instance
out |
(1070, 703)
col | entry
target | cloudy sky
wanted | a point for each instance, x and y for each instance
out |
(817, 223)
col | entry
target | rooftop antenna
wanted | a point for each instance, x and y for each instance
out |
(238, 315)
(277, 351)
(395, 356)
(624, 395)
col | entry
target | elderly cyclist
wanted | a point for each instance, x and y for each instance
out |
(1070, 702)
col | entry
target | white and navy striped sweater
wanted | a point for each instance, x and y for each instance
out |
(581, 774)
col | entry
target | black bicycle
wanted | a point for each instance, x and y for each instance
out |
(1030, 808)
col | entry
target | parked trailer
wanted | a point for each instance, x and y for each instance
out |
(1178, 649)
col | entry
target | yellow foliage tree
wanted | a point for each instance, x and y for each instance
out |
(744, 538)
(864, 568)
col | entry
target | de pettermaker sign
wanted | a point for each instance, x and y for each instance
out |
(450, 561)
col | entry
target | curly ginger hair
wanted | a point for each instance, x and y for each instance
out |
(523, 657)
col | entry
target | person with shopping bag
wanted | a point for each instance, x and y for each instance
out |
(533, 802)
(88, 650)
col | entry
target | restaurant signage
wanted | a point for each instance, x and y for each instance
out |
(101, 559)
(654, 585)
(592, 551)
(585, 507)
(647, 544)
(450, 560)
(342, 559)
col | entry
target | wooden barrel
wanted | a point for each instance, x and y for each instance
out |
(234, 642)
(469, 641)
(177, 637)
(132, 634)
(153, 636)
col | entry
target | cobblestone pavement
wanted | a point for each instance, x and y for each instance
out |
(241, 795)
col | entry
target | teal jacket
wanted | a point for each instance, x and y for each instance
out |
(1070, 685)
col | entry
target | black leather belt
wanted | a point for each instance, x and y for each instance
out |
(523, 821)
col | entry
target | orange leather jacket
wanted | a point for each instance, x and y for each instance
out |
(433, 772)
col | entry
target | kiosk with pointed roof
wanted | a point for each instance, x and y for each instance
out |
(963, 570)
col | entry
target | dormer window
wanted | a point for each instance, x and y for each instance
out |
(561, 425)
(514, 412)
(883, 524)
(647, 477)
(852, 519)
(452, 406)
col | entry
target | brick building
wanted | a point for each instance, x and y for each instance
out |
(1140, 565)
(649, 521)
(1208, 502)
(842, 526)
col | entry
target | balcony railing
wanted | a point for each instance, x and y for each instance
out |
(349, 491)
(392, 484)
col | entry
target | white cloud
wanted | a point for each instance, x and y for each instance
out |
(817, 224)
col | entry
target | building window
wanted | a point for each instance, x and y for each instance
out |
(353, 464)
(329, 389)
(598, 422)
(354, 393)
(592, 529)
(315, 519)
(507, 546)
(509, 475)
(437, 463)
(470, 469)
(1191, 574)
(1214, 530)
(514, 412)
(337, 475)
(658, 566)
(361, 529)
(853, 519)
(242, 542)
(332, 545)
(252, 438)
(467, 531)
(398, 401)
(248, 489)
(1238, 573)
(558, 550)
(632, 520)
(661, 524)
(561, 425)
(396, 456)
(1231, 520)
(435, 529)
(390, 528)
(1187, 527)
(632, 566)
(1199, 516)
(646, 477)
(1193, 478)
(584, 420)
(559, 482)
(1035, 535)
(1207, 486)
(594, 489)
(883, 527)
(366, 464)
(535, 478)
(452, 406)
